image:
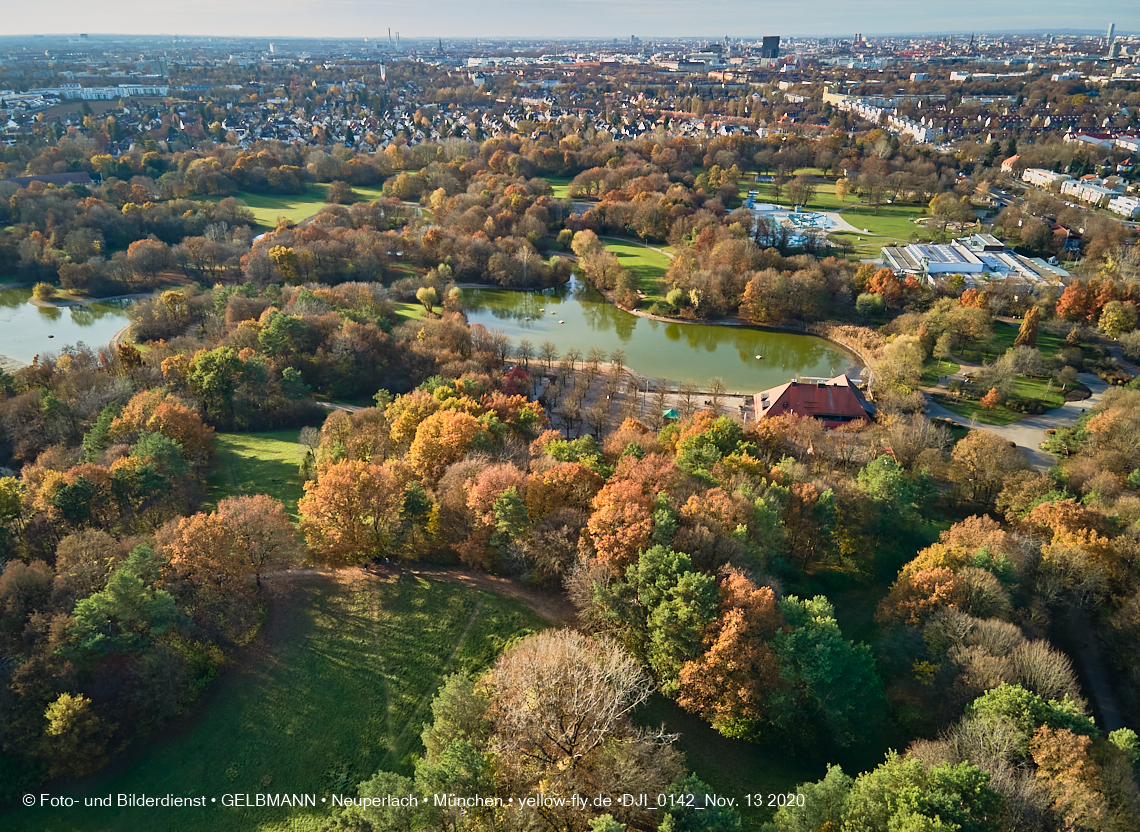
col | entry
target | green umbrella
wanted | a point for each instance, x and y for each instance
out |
(671, 414)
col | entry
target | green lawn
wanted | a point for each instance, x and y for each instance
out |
(410, 311)
(1048, 343)
(647, 265)
(268, 209)
(561, 186)
(1025, 388)
(824, 199)
(340, 687)
(259, 463)
(893, 221)
(932, 368)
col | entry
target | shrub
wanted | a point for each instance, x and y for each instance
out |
(43, 291)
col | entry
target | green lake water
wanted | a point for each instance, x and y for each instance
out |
(25, 327)
(577, 316)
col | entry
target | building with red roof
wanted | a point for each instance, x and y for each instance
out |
(834, 402)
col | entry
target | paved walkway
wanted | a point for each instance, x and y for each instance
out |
(1030, 432)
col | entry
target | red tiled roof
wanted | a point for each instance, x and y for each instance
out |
(834, 402)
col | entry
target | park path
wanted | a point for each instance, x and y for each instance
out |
(1030, 432)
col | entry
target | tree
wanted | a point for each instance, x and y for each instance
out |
(43, 291)
(1027, 334)
(244, 536)
(991, 400)
(832, 688)
(351, 514)
(428, 297)
(442, 439)
(1117, 318)
(124, 617)
(621, 523)
(75, 737)
(562, 706)
(801, 190)
(730, 684)
(903, 794)
(1073, 778)
(983, 462)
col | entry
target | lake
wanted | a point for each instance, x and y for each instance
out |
(25, 327)
(576, 315)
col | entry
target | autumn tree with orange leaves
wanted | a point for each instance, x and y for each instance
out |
(351, 513)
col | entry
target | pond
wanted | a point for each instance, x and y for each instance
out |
(25, 327)
(578, 316)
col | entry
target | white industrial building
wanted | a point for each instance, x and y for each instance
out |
(979, 257)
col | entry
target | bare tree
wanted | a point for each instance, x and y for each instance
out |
(660, 399)
(716, 395)
(524, 352)
(561, 695)
(572, 416)
(501, 344)
(548, 352)
(688, 391)
(594, 358)
(597, 416)
(617, 359)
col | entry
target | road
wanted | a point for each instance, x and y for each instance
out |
(1030, 432)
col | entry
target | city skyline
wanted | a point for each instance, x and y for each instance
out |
(582, 18)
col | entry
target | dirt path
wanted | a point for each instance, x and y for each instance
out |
(1083, 646)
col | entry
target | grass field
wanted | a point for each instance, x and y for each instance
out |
(340, 687)
(411, 311)
(1048, 343)
(561, 186)
(647, 265)
(268, 209)
(259, 463)
(933, 368)
(1025, 388)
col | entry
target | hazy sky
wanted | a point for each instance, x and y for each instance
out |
(571, 18)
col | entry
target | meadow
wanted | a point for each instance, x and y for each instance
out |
(339, 686)
(645, 264)
(259, 463)
(268, 208)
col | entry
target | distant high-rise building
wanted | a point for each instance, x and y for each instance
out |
(1114, 50)
(1111, 32)
(770, 47)
(83, 37)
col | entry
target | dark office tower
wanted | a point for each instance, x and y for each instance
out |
(770, 47)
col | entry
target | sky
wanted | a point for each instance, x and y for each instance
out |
(563, 18)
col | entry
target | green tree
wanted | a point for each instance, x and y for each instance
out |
(126, 615)
(428, 297)
(75, 738)
(825, 804)
(902, 794)
(214, 375)
(832, 686)
(1027, 712)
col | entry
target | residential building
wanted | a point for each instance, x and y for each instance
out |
(1042, 178)
(1127, 206)
(1089, 191)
